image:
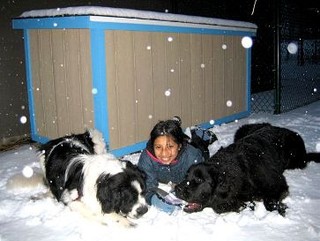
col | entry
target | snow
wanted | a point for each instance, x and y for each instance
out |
(23, 218)
(133, 14)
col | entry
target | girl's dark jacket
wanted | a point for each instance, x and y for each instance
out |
(174, 172)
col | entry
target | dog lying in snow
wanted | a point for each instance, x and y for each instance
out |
(250, 169)
(82, 175)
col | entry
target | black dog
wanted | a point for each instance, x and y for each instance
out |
(250, 169)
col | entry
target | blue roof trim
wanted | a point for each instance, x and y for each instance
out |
(82, 22)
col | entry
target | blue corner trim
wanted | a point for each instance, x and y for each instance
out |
(99, 88)
(28, 66)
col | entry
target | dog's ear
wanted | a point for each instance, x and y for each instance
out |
(134, 169)
(107, 195)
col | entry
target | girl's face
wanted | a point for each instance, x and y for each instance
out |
(166, 149)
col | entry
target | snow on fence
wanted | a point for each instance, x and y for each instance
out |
(121, 71)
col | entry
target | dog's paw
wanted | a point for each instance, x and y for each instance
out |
(114, 218)
(282, 209)
(272, 205)
(69, 196)
(251, 205)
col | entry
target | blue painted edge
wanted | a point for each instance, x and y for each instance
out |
(99, 77)
(28, 66)
(39, 139)
(127, 150)
(82, 22)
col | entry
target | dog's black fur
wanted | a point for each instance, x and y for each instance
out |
(251, 169)
(58, 153)
(80, 173)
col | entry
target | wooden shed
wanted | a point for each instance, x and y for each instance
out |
(121, 71)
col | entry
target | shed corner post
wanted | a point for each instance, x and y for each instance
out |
(99, 82)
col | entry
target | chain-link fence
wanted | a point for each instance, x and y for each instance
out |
(295, 60)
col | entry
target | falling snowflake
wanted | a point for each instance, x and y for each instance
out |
(148, 47)
(318, 147)
(246, 42)
(27, 172)
(224, 46)
(315, 90)
(55, 25)
(292, 48)
(23, 119)
(170, 39)
(171, 70)
(229, 103)
(94, 91)
(202, 66)
(150, 117)
(167, 92)
(211, 122)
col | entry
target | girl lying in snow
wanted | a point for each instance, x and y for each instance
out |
(168, 155)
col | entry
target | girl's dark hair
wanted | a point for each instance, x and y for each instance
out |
(170, 128)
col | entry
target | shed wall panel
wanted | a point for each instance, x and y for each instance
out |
(62, 83)
(153, 76)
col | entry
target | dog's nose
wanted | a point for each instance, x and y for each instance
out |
(142, 210)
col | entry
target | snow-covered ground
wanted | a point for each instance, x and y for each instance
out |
(24, 219)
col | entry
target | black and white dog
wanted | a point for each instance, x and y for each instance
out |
(82, 175)
(250, 169)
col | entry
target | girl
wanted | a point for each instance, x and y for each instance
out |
(167, 157)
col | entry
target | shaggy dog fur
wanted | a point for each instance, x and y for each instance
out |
(251, 169)
(84, 177)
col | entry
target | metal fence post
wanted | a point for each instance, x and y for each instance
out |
(277, 99)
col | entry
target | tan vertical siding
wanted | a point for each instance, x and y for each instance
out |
(197, 80)
(125, 85)
(47, 85)
(159, 75)
(199, 74)
(207, 69)
(144, 85)
(218, 77)
(185, 78)
(61, 78)
(60, 81)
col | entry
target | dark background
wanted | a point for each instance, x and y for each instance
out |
(297, 19)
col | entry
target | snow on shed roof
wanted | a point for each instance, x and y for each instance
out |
(134, 14)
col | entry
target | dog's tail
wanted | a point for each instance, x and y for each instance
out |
(313, 156)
